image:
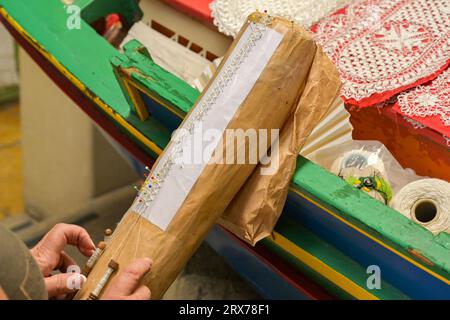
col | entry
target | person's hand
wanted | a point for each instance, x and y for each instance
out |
(126, 285)
(49, 255)
(3, 295)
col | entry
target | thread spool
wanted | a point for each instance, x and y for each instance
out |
(425, 211)
(426, 202)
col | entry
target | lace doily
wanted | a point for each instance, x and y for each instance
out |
(429, 105)
(230, 15)
(384, 47)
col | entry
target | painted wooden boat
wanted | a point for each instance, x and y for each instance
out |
(329, 233)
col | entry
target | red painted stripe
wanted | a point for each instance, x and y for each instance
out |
(285, 271)
(198, 9)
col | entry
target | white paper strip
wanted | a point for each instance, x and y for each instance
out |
(180, 179)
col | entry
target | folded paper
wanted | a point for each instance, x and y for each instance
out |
(253, 213)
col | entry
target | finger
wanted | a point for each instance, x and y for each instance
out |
(65, 261)
(142, 293)
(63, 283)
(128, 280)
(3, 295)
(62, 234)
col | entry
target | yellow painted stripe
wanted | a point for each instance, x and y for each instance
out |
(323, 269)
(159, 101)
(335, 215)
(132, 130)
(150, 144)
(136, 99)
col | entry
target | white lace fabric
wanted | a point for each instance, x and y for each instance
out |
(429, 101)
(383, 47)
(230, 15)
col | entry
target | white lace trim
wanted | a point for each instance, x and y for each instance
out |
(173, 155)
(447, 139)
(230, 15)
(383, 45)
(429, 101)
(415, 124)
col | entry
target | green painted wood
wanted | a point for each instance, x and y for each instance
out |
(82, 52)
(87, 56)
(155, 79)
(329, 255)
(372, 215)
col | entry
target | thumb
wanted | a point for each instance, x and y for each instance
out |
(63, 283)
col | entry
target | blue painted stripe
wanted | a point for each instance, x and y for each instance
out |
(408, 278)
(269, 284)
(160, 113)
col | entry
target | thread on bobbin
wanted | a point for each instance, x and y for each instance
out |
(113, 266)
(94, 258)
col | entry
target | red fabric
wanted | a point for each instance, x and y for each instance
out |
(198, 9)
(379, 98)
(421, 149)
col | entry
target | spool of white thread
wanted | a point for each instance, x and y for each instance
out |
(426, 202)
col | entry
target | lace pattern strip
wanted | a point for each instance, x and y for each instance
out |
(230, 15)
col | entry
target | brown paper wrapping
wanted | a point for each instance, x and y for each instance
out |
(269, 104)
(254, 212)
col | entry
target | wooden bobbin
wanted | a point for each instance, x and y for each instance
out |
(101, 246)
(113, 266)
